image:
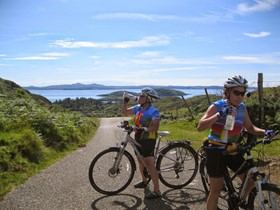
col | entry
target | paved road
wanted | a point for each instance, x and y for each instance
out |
(65, 184)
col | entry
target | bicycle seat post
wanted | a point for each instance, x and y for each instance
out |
(160, 135)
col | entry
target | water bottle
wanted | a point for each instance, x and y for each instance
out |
(229, 123)
(130, 96)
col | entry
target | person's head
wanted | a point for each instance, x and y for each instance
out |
(235, 89)
(148, 95)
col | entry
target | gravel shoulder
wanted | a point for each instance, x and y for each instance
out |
(65, 184)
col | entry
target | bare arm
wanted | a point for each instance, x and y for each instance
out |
(127, 111)
(154, 126)
(210, 117)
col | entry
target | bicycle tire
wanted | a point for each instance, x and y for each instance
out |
(267, 188)
(204, 175)
(177, 165)
(106, 181)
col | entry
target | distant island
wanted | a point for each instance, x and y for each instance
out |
(79, 86)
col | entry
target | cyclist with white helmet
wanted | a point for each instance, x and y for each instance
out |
(222, 136)
(147, 121)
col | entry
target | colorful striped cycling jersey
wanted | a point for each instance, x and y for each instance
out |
(218, 133)
(143, 118)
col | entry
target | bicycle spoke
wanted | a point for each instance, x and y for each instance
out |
(177, 166)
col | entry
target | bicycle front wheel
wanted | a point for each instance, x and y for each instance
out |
(271, 195)
(177, 165)
(204, 175)
(109, 173)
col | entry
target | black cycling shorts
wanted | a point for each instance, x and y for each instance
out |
(147, 147)
(216, 162)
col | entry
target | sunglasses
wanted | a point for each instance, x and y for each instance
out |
(238, 93)
(142, 96)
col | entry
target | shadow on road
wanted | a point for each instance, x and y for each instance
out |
(119, 201)
(185, 198)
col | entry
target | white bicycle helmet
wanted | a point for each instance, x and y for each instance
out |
(236, 81)
(150, 93)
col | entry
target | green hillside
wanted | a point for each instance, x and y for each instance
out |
(34, 134)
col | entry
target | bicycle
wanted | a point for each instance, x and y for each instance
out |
(112, 170)
(265, 195)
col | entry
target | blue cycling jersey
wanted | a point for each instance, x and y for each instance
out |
(143, 118)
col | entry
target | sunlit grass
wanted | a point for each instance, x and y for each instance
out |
(184, 130)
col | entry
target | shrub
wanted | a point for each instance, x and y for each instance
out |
(30, 146)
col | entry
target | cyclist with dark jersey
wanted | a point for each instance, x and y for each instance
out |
(147, 121)
(222, 136)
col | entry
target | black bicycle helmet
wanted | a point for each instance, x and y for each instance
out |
(150, 93)
(236, 81)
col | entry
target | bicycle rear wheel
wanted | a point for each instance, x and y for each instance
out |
(177, 165)
(107, 179)
(271, 194)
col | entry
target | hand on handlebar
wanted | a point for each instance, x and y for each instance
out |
(139, 129)
(269, 134)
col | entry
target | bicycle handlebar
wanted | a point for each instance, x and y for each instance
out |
(249, 145)
(129, 128)
(126, 127)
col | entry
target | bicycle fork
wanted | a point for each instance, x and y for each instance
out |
(115, 169)
(254, 173)
(264, 201)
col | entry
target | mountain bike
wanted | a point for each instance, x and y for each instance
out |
(112, 170)
(265, 195)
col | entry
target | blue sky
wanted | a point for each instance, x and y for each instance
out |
(129, 42)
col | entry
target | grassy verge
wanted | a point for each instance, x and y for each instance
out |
(184, 130)
(20, 168)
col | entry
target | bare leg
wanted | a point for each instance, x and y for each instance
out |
(216, 186)
(141, 168)
(153, 172)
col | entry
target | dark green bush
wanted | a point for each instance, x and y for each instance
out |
(30, 146)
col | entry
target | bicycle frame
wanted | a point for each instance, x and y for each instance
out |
(251, 173)
(134, 143)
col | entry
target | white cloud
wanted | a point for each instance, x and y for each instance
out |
(95, 57)
(38, 34)
(259, 35)
(137, 16)
(241, 9)
(189, 68)
(151, 54)
(43, 57)
(145, 42)
(258, 6)
(55, 54)
(174, 61)
(255, 59)
(34, 58)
